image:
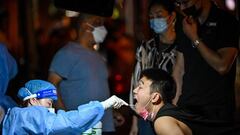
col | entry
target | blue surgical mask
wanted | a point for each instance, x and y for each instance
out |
(159, 25)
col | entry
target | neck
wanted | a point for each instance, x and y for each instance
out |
(84, 41)
(165, 39)
(157, 108)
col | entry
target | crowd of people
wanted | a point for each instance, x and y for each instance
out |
(181, 83)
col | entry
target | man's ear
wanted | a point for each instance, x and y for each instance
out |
(156, 98)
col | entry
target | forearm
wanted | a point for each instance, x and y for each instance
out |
(178, 71)
(86, 116)
(220, 60)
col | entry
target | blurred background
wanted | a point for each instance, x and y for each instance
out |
(36, 29)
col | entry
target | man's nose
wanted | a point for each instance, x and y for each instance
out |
(135, 90)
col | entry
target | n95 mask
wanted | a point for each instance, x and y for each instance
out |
(99, 33)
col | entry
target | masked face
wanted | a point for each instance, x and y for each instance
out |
(159, 25)
(160, 18)
(46, 102)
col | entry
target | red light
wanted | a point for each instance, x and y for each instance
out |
(119, 88)
(118, 77)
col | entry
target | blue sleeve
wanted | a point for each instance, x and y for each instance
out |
(3, 70)
(8, 70)
(38, 120)
(76, 121)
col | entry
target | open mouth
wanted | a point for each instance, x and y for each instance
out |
(134, 101)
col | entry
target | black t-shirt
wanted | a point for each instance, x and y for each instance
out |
(198, 124)
(202, 85)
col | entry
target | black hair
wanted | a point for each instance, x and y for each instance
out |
(166, 4)
(162, 82)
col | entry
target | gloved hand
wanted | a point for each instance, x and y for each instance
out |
(114, 102)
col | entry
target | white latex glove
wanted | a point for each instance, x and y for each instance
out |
(114, 102)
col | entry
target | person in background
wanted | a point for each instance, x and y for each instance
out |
(38, 117)
(8, 67)
(205, 67)
(158, 52)
(79, 72)
(154, 96)
(121, 57)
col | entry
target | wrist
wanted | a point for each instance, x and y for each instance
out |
(104, 105)
(196, 42)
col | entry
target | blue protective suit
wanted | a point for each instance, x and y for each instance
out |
(37, 120)
(8, 70)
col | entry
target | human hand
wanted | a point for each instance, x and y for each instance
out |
(190, 28)
(114, 102)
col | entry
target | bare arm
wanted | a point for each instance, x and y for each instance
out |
(56, 79)
(221, 60)
(167, 126)
(178, 71)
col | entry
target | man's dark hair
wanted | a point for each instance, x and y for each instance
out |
(162, 82)
(166, 4)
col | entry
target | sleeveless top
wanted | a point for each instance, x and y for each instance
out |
(198, 124)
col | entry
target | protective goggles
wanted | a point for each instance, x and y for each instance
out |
(47, 93)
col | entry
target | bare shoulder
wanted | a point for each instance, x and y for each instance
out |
(167, 125)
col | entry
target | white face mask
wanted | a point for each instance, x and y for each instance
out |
(99, 33)
(51, 110)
